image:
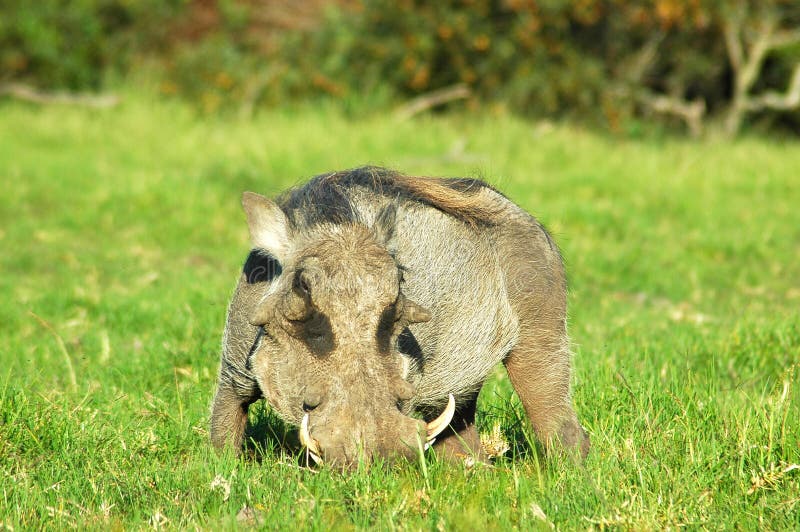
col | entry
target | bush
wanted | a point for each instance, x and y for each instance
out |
(612, 62)
(607, 60)
(72, 43)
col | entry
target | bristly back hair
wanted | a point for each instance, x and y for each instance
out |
(327, 197)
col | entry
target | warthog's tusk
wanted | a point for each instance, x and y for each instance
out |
(308, 442)
(435, 427)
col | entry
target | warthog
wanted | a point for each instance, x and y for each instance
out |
(373, 306)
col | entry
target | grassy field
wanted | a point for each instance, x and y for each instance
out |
(121, 237)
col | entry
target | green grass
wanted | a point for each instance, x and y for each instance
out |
(122, 236)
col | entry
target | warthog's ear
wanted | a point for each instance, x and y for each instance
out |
(384, 226)
(269, 228)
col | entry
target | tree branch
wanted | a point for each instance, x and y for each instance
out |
(634, 67)
(786, 101)
(29, 94)
(632, 71)
(732, 29)
(747, 66)
(433, 99)
(747, 75)
(691, 112)
(785, 38)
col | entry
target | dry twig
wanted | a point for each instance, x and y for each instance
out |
(433, 99)
(30, 94)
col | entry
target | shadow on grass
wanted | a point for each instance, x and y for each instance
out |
(268, 438)
(508, 414)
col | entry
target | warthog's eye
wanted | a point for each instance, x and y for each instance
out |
(260, 267)
(300, 284)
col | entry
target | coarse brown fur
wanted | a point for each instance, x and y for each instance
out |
(371, 295)
(327, 197)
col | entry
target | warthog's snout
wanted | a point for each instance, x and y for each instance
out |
(348, 443)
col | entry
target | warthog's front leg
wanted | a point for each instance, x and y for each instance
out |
(229, 414)
(460, 439)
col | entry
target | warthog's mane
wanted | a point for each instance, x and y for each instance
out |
(329, 197)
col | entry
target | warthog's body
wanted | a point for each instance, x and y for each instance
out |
(342, 278)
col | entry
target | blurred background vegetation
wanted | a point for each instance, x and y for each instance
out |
(683, 65)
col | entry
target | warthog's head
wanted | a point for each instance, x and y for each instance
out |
(326, 354)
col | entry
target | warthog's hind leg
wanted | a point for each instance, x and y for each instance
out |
(539, 370)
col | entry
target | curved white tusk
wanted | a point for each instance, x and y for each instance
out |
(435, 427)
(308, 442)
